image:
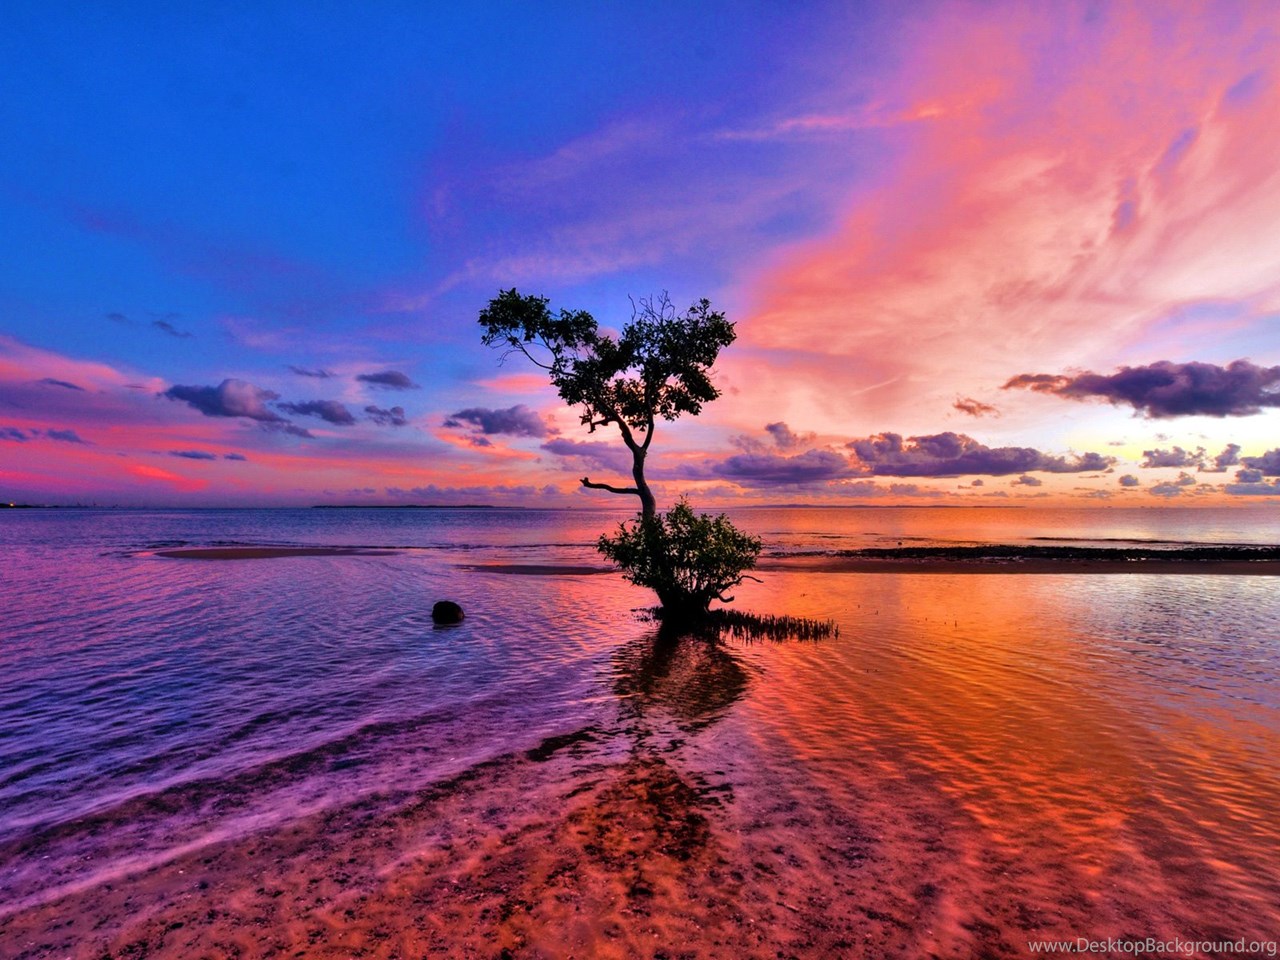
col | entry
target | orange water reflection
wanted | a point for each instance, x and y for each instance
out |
(1038, 755)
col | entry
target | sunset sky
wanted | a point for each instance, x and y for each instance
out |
(976, 252)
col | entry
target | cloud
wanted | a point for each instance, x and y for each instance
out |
(307, 372)
(1249, 475)
(51, 382)
(1253, 489)
(1163, 389)
(193, 454)
(606, 456)
(1185, 480)
(1177, 457)
(386, 417)
(1129, 480)
(1035, 217)
(517, 421)
(235, 456)
(772, 470)
(14, 434)
(785, 437)
(1166, 490)
(1229, 457)
(781, 437)
(954, 454)
(331, 411)
(388, 379)
(1268, 463)
(65, 436)
(975, 408)
(231, 398)
(167, 327)
(1026, 480)
(978, 483)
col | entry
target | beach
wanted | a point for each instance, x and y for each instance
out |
(278, 754)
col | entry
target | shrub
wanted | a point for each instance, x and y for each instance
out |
(687, 559)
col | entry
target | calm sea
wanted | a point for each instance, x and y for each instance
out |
(1002, 739)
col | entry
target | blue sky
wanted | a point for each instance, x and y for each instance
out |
(201, 193)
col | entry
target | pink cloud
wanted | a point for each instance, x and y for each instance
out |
(1078, 181)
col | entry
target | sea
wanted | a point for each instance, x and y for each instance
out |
(987, 758)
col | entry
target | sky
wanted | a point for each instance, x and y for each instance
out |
(976, 253)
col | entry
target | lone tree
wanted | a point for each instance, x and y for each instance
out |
(658, 368)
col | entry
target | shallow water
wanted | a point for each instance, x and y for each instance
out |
(973, 762)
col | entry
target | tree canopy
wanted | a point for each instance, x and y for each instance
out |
(659, 367)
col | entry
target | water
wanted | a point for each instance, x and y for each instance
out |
(973, 760)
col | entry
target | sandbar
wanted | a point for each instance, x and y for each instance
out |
(270, 553)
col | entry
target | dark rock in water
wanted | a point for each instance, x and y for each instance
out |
(446, 611)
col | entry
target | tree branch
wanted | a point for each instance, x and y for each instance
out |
(634, 491)
(648, 434)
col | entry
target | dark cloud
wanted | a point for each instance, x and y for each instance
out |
(1249, 475)
(606, 456)
(65, 436)
(1129, 480)
(772, 470)
(1174, 488)
(1229, 457)
(231, 398)
(954, 454)
(469, 495)
(1166, 389)
(1268, 463)
(389, 417)
(977, 483)
(975, 408)
(390, 379)
(1176, 457)
(193, 454)
(330, 411)
(117, 317)
(235, 456)
(1255, 488)
(167, 327)
(16, 434)
(317, 373)
(1026, 480)
(517, 421)
(780, 437)
(50, 382)
(786, 438)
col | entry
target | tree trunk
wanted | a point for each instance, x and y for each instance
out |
(648, 505)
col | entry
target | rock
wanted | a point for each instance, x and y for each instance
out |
(446, 611)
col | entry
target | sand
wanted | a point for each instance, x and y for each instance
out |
(270, 553)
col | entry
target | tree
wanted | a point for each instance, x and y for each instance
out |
(687, 559)
(658, 368)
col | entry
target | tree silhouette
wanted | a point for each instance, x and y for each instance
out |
(658, 368)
